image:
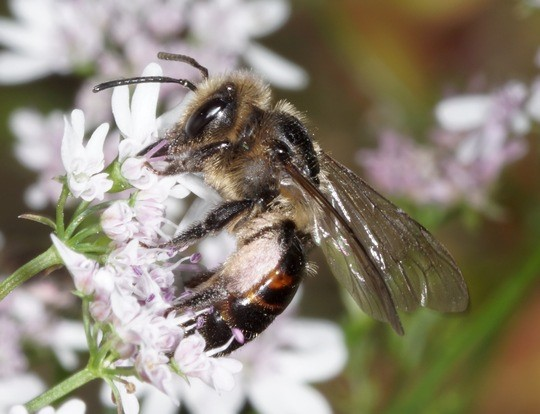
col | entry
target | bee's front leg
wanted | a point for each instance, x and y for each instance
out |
(214, 222)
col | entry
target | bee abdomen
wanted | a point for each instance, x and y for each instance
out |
(234, 318)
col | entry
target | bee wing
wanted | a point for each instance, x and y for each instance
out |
(384, 258)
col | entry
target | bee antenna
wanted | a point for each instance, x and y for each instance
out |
(186, 59)
(144, 79)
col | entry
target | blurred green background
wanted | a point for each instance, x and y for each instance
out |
(376, 65)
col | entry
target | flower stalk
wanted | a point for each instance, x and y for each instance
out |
(62, 389)
(45, 260)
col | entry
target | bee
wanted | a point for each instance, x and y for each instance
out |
(283, 195)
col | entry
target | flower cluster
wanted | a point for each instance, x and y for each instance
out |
(130, 291)
(103, 40)
(477, 136)
(128, 287)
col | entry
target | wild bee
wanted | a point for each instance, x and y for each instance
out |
(281, 196)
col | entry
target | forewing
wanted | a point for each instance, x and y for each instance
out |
(384, 258)
(346, 256)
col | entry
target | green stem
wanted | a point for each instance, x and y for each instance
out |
(471, 337)
(45, 260)
(60, 212)
(88, 327)
(83, 234)
(62, 389)
(82, 215)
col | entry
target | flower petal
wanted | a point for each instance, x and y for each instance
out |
(315, 350)
(94, 148)
(200, 398)
(19, 389)
(120, 109)
(276, 395)
(462, 113)
(16, 69)
(275, 69)
(262, 17)
(144, 104)
(81, 268)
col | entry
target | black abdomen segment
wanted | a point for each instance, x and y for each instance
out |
(235, 318)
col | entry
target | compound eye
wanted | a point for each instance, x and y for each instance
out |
(203, 116)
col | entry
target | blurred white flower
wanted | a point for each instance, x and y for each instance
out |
(49, 36)
(54, 36)
(84, 164)
(73, 406)
(37, 146)
(278, 368)
(18, 389)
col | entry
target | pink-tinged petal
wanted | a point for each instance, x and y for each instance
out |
(81, 268)
(222, 374)
(117, 221)
(124, 307)
(533, 104)
(462, 113)
(135, 171)
(275, 69)
(190, 356)
(153, 368)
(120, 109)
(276, 395)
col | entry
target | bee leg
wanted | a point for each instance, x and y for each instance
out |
(244, 296)
(214, 222)
(190, 161)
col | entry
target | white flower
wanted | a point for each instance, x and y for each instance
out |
(117, 222)
(153, 368)
(463, 113)
(84, 164)
(38, 144)
(137, 120)
(74, 406)
(218, 373)
(50, 36)
(235, 23)
(18, 389)
(67, 339)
